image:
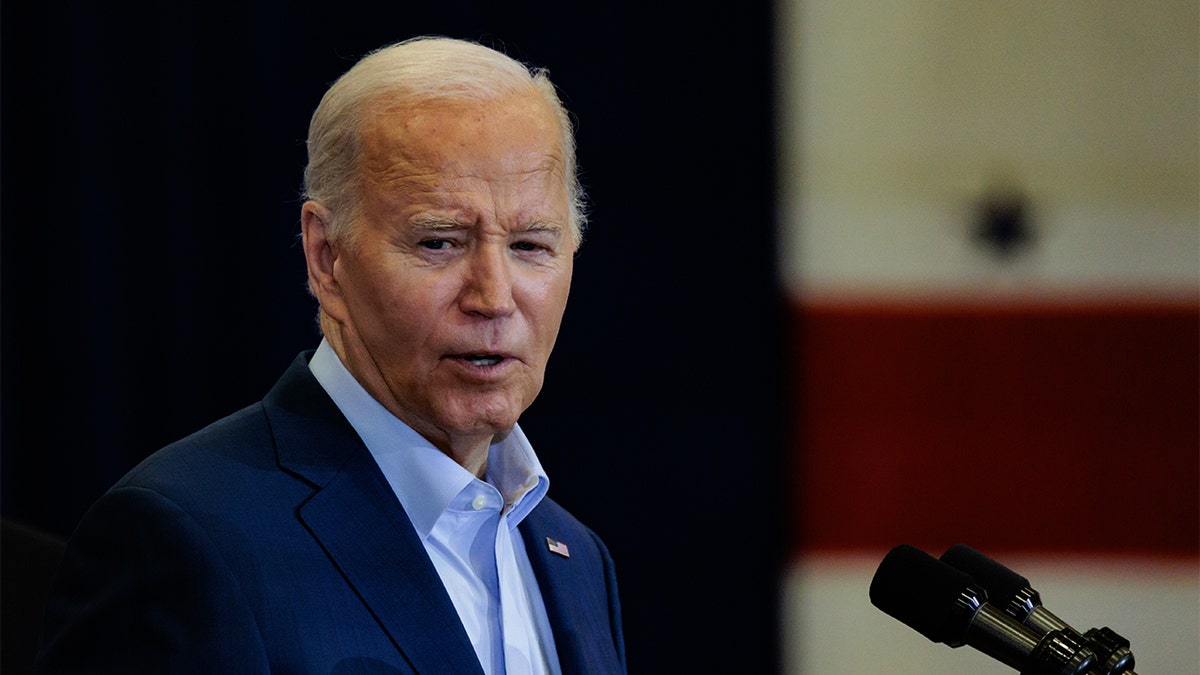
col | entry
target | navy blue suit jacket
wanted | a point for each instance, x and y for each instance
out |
(270, 541)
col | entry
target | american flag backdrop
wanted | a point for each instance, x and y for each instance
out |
(990, 240)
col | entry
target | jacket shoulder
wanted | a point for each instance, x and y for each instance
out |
(241, 442)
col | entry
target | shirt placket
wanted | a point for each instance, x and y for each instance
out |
(518, 652)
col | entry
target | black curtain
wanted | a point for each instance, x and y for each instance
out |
(151, 279)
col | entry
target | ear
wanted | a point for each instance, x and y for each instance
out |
(321, 256)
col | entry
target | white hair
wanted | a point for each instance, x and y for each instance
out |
(413, 72)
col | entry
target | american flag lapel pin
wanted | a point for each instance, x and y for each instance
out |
(558, 547)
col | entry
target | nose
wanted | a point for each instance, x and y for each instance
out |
(488, 286)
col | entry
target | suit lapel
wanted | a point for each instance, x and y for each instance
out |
(361, 525)
(572, 591)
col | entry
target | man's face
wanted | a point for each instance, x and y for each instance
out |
(454, 283)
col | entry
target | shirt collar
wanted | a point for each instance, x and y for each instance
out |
(425, 479)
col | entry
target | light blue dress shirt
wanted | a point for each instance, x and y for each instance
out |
(468, 526)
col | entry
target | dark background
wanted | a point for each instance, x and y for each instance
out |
(152, 282)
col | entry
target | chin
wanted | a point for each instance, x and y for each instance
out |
(482, 417)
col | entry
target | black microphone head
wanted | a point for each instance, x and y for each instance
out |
(1002, 584)
(922, 592)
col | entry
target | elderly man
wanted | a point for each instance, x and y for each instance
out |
(380, 510)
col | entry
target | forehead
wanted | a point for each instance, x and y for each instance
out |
(505, 139)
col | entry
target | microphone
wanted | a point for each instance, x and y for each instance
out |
(946, 605)
(1014, 594)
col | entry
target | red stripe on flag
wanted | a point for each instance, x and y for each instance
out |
(1020, 427)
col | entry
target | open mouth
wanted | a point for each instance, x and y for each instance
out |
(482, 359)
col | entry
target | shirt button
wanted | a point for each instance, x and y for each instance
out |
(479, 502)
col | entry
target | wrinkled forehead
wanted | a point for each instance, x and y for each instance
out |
(510, 136)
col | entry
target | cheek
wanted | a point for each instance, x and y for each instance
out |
(561, 290)
(551, 303)
(402, 311)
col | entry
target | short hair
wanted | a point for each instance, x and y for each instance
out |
(417, 71)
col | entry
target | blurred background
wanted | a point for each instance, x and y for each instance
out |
(990, 239)
(857, 274)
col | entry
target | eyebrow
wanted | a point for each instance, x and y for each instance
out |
(433, 223)
(538, 226)
(426, 222)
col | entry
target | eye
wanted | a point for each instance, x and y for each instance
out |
(436, 244)
(526, 246)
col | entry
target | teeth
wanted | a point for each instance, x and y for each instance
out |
(483, 360)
